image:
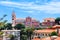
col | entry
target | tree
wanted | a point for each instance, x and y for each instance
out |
(29, 32)
(23, 37)
(1, 33)
(2, 25)
(9, 26)
(23, 34)
(3, 17)
(54, 34)
(12, 37)
(57, 20)
(26, 33)
(19, 26)
(3, 22)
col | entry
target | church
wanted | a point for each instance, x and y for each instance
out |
(28, 21)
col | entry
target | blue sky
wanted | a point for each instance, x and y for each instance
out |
(38, 9)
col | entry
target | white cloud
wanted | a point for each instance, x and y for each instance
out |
(51, 7)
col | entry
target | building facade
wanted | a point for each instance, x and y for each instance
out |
(43, 33)
(8, 33)
(48, 22)
(28, 21)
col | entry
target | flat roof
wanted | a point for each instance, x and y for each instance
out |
(9, 30)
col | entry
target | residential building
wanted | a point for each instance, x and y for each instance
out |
(44, 33)
(8, 33)
(48, 22)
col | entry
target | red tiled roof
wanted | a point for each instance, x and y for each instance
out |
(51, 19)
(56, 26)
(45, 31)
(36, 39)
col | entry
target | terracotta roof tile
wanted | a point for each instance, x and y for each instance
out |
(36, 39)
(56, 26)
(45, 31)
(51, 19)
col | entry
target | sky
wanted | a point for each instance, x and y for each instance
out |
(37, 9)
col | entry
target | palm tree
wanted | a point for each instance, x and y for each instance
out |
(2, 25)
(3, 17)
(29, 32)
(26, 33)
(3, 22)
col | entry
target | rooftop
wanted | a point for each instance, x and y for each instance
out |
(56, 26)
(44, 31)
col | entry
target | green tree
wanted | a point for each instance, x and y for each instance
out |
(3, 22)
(19, 26)
(57, 20)
(8, 26)
(2, 25)
(3, 17)
(1, 33)
(12, 37)
(26, 33)
(54, 34)
(23, 37)
(23, 34)
(29, 32)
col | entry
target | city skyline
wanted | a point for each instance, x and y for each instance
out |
(38, 9)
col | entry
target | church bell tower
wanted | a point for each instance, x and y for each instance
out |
(13, 18)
